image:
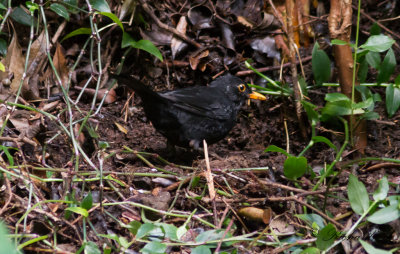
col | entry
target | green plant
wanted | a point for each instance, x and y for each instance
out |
(361, 204)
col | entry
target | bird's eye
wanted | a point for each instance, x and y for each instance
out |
(242, 88)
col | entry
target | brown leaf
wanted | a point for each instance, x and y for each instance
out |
(37, 54)
(14, 61)
(61, 65)
(177, 45)
(195, 59)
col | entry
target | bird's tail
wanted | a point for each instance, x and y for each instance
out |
(141, 89)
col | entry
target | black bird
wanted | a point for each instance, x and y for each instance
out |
(189, 115)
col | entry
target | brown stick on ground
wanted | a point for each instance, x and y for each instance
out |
(296, 86)
(339, 22)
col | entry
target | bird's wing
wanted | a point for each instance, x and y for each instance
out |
(202, 102)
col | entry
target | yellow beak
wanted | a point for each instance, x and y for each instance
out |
(257, 96)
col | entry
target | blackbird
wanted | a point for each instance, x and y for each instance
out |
(189, 115)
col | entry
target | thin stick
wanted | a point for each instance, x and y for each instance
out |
(210, 181)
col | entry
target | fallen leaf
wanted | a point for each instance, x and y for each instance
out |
(121, 128)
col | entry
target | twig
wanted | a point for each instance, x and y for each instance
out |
(182, 36)
(272, 68)
(210, 181)
(9, 192)
(378, 23)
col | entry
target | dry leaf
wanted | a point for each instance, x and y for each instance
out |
(61, 65)
(177, 45)
(195, 59)
(121, 128)
(14, 62)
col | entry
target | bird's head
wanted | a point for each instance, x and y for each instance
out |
(235, 89)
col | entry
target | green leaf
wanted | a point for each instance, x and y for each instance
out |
(113, 18)
(392, 99)
(134, 227)
(201, 250)
(397, 80)
(358, 195)
(394, 200)
(273, 148)
(332, 97)
(326, 237)
(214, 234)
(78, 31)
(19, 15)
(32, 6)
(60, 10)
(6, 151)
(87, 201)
(110, 236)
(294, 167)
(100, 5)
(387, 67)
(338, 108)
(385, 215)
(366, 94)
(381, 192)
(339, 42)
(372, 250)
(6, 245)
(373, 59)
(378, 43)
(78, 210)
(91, 248)
(154, 248)
(364, 104)
(375, 29)
(370, 115)
(72, 5)
(92, 132)
(145, 45)
(170, 231)
(312, 218)
(312, 114)
(123, 242)
(103, 144)
(362, 70)
(324, 140)
(145, 229)
(181, 231)
(303, 85)
(321, 65)
(310, 250)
